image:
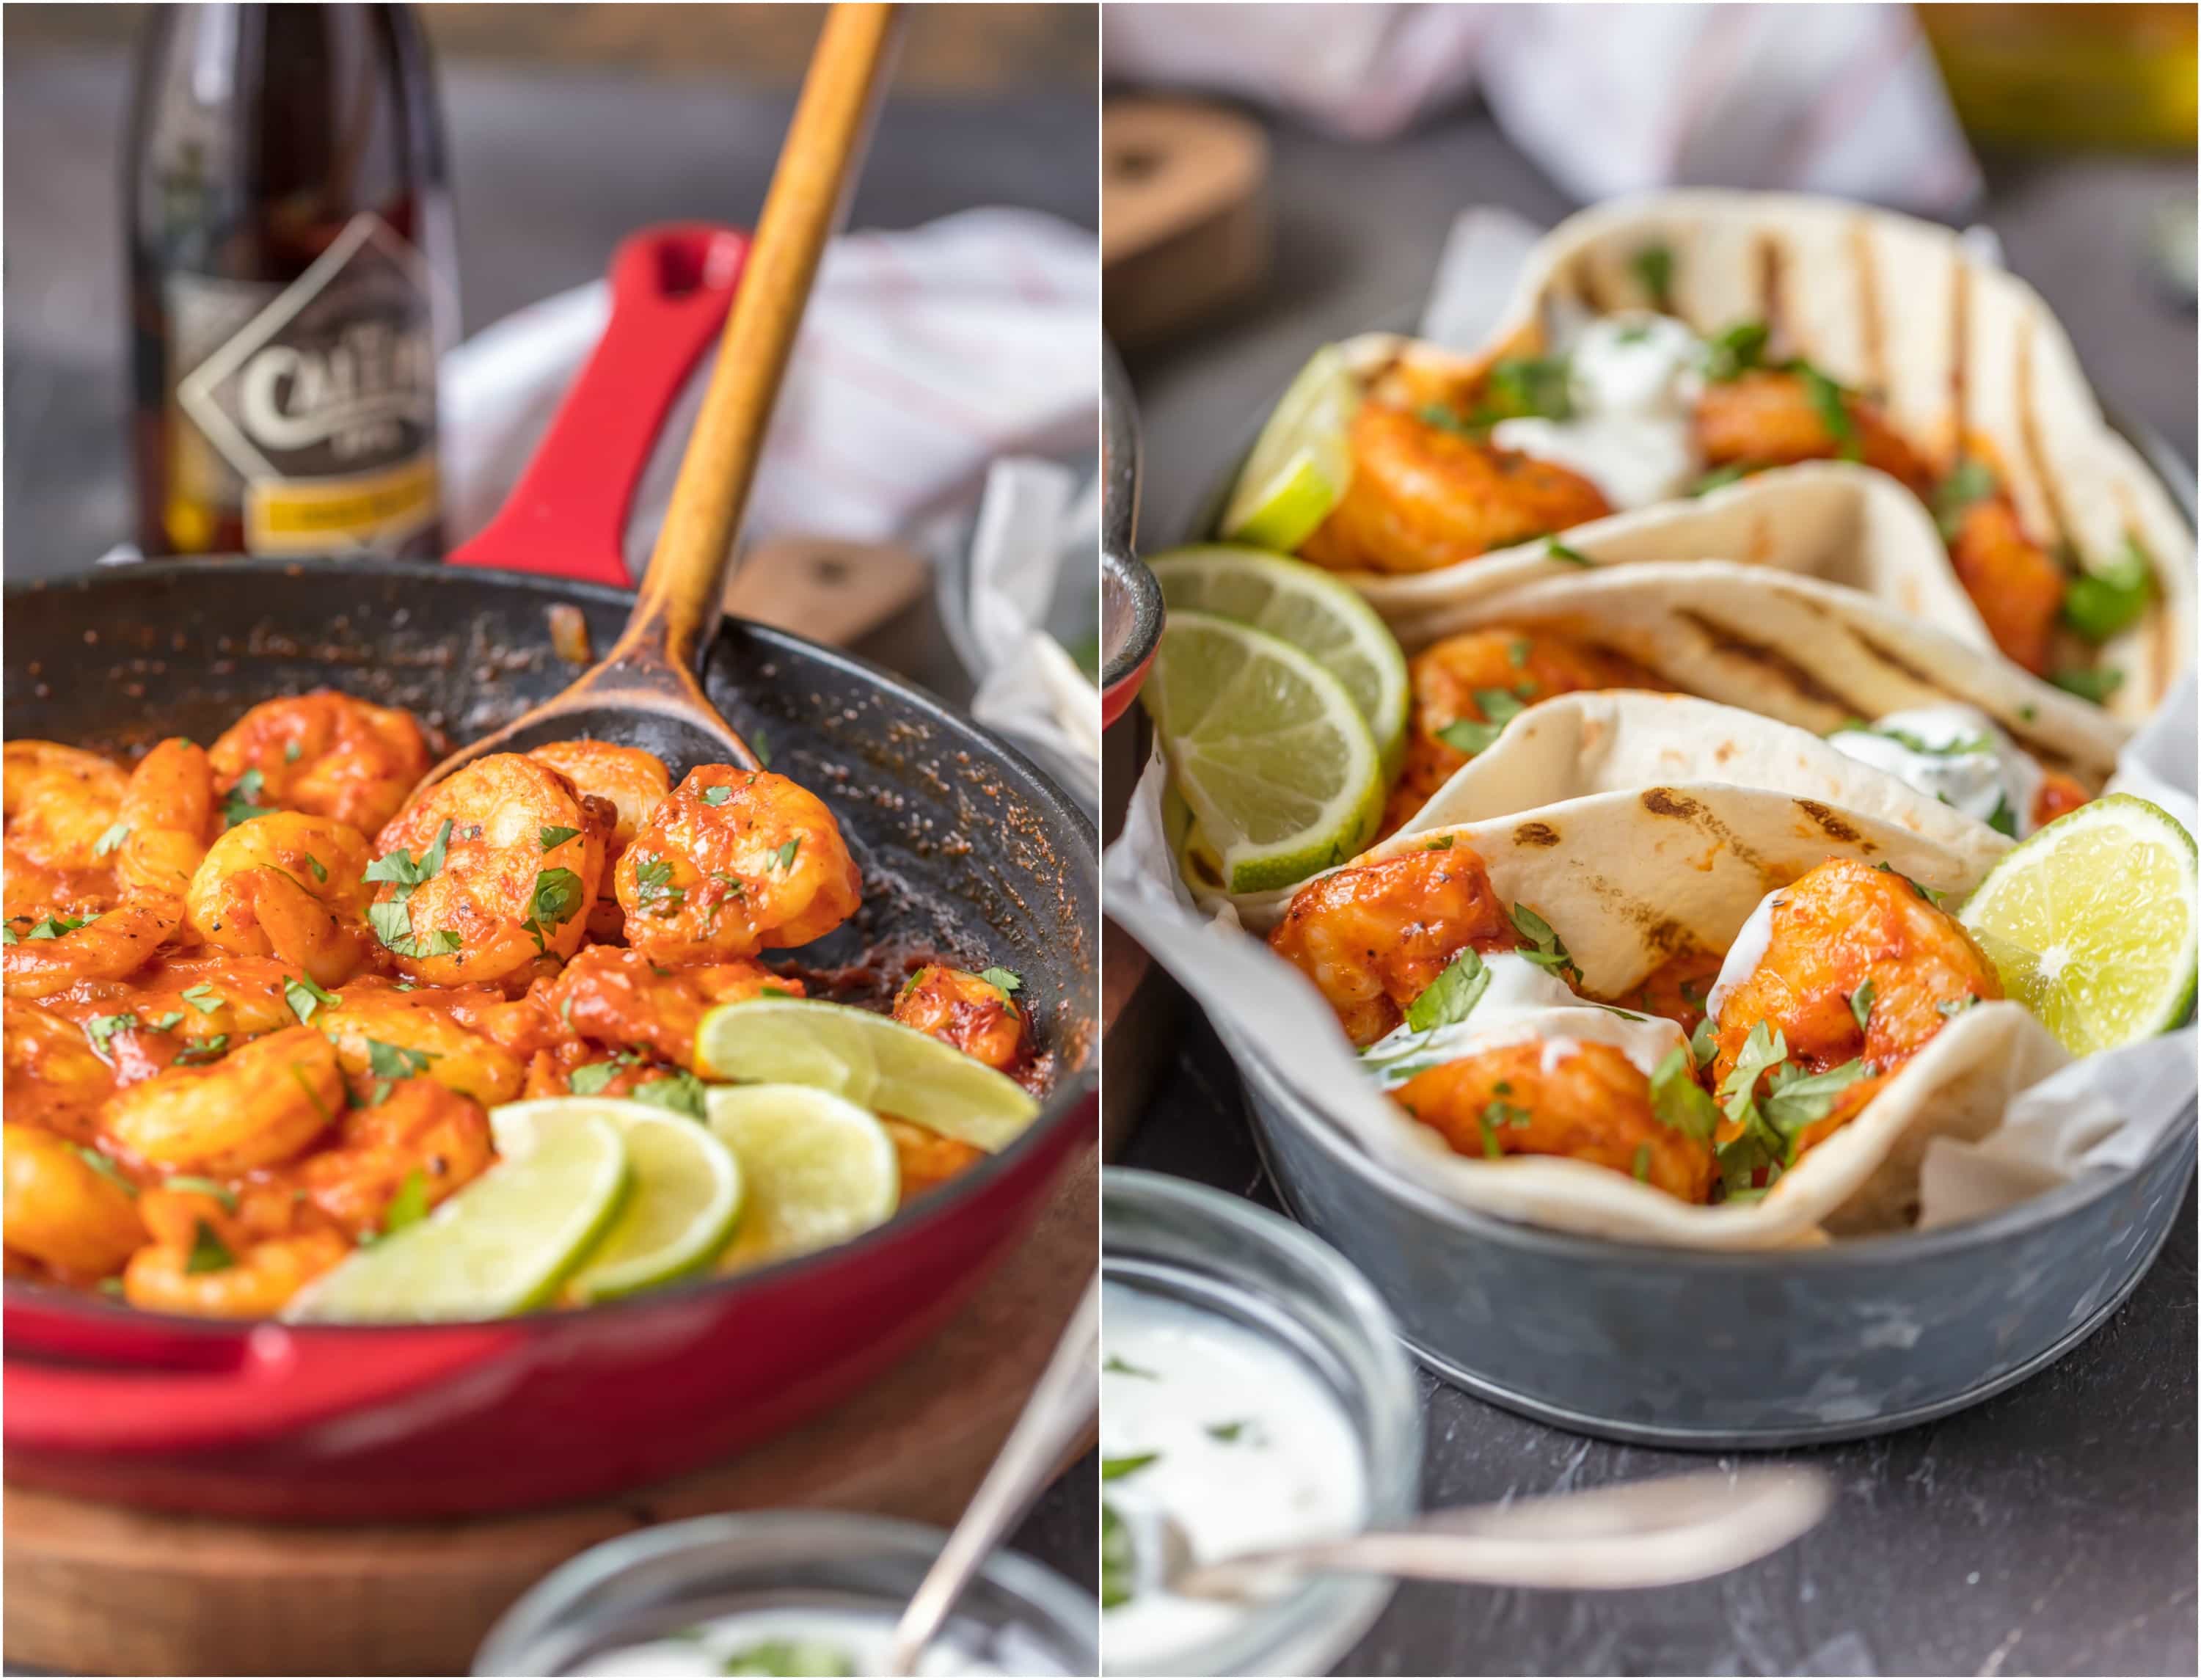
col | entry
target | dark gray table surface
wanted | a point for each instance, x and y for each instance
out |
(2050, 1530)
(551, 169)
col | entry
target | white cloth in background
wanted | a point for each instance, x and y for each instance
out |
(1609, 99)
(925, 355)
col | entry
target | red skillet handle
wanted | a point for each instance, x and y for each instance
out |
(566, 517)
(150, 1398)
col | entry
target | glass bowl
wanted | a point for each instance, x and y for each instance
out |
(1223, 1255)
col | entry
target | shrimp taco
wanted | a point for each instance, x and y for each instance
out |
(1684, 1012)
(1821, 692)
(1663, 347)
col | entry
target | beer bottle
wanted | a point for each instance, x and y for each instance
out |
(291, 280)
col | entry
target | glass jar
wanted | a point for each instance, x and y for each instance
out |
(1223, 1255)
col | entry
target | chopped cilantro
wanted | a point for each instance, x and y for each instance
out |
(1119, 1559)
(1718, 479)
(1971, 481)
(1950, 1007)
(784, 857)
(1452, 996)
(1701, 1044)
(1229, 1433)
(1830, 403)
(1549, 953)
(1679, 1101)
(1122, 1367)
(101, 1028)
(2105, 599)
(304, 996)
(104, 1165)
(1001, 979)
(550, 838)
(2002, 819)
(1471, 736)
(557, 900)
(242, 803)
(204, 998)
(1555, 550)
(652, 886)
(204, 1050)
(196, 1185)
(1642, 1167)
(403, 874)
(409, 1206)
(1861, 1005)
(1442, 843)
(1653, 265)
(54, 926)
(1732, 353)
(208, 1251)
(717, 795)
(680, 1091)
(791, 1656)
(108, 841)
(2096, 685)
(1114, 1469)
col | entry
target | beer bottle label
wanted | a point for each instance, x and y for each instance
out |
(315, 400)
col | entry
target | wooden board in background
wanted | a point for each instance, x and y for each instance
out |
(100, 1589)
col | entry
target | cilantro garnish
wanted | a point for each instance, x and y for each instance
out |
(242, 803)
(390, 1063)
(1001, 979)
(1718, 479)
(1642, 1167)
(2096, 685)
(1861, 1005)
(557, 900)
(204, 1050)
(1732, 353)
(208, 1251)
(1827, 400)
(409, 1206)
(101, 1028)
(1452, 996)
(1555, 550)
(1971, 481)
(717, 795)
(550, 839)
(1679, 1101)
(1653, 265)
(197, 1186)
(304, 996)
(1548, 952)
(652, 885)
(54, 926)
(2107, 598)
(1950, 1007)
(1119, 1559)
(1115, 1469)
(1471, 736)
(320, 873)
(1120, 1367)
(784, 857)
(108, 841)
(104, 1165)
(204, 998)
(680, 1091)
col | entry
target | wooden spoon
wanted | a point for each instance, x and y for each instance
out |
(645, 692)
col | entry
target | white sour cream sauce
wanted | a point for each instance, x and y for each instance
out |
(1251, 1450)
(853, 1641)
(1522, 1002)
(1743, 956)
(1633, 379)
(1955, 753)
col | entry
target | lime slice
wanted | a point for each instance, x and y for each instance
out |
(686, 1193)
(1268, 750)
(2090, 923)
(818, 1170)
(1301, 461)
(1308, 607)
(876, 1063)
(500, 1245)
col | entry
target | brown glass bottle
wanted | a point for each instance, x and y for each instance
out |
(292, 281)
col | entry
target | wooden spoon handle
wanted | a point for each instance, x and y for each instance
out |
(676, 607)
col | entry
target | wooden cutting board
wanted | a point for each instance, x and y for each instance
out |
(100, 1589)
(1184, 221)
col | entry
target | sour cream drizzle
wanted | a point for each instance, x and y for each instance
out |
(1524, 1002)
(1955, 754)
(818, 1640)
(1743, 956)
(1633, 381)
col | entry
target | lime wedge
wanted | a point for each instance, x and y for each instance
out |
(2090, 923)
(1268, 750)
(1301, 461)
(876, 1063)
(820, 1170)
(686, 1192)
(499, 1246)
(1307, 607)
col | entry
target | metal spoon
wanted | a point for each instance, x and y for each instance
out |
(1657, 1533)
(1060, 1407)
(645, 692)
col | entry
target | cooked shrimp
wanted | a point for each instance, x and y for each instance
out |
(1836, 929)
(1482, 678)
(735, 861)
(1677, 988)
(1589, 1104)
(383, 1034)
(259, 1105)
(1372, 936)
(324, 754)
(223, 999)
(210, 1263)
(972, 1014)
(105, 948)
(926, 1159)
(493, 866)
(289, 886)
(61, 1210)
(1766, 417)
(422, 1130)
(60, 802)
(2015, 583)
(54, 1078)
(552, 1071)
(2059, 795)
(166, 817)
(619, 997)
(635, 781)
(1421, 496)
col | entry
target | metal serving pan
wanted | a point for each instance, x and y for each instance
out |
(1671, 1347)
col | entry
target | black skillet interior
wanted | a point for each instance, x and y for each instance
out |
(967, 852)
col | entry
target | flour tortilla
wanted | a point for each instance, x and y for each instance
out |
(1626, 879)
(1961, 355)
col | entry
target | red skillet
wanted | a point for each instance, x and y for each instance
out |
(359, 1423)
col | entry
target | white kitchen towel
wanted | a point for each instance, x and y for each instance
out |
(925, 355)
(1610, 99)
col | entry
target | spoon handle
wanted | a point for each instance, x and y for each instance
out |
(1656, 1533)
(1059, 1407)
(677, 607)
